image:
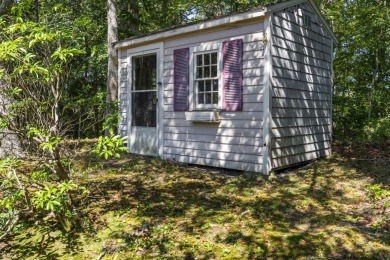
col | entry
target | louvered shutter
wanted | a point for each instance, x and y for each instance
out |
(232, 75)
(181, 79)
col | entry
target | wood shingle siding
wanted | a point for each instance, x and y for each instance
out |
(301, 88)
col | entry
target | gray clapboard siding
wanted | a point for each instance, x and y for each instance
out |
(298, 158)
(300, 85)
(317, 33)
(300, 112)
(299, 121)
(301, 148)
(300, 130)
(297, 93)
(215, 162)
(299, 140)
(220, 139)
(301, 66)
(214, 131)
(301, 55)
(299, 103)
(290, 73)
(224, 123)
(301, 88)
(212, 147)
(214, 155)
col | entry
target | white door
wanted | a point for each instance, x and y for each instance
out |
(144, 108)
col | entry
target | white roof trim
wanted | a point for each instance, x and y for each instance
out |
(225, 21)
(191, 28)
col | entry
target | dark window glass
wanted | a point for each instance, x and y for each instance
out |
(207, 59)
(208, 85)
(214, 71)
(215, 98)
(201, 86)
(199, 60)
(199, 73)
(144, 109)
(214, 59)
(201, 98)
(207, 72)
(144, 72)
(208, 98)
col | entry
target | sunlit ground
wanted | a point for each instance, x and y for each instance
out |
(142, 207)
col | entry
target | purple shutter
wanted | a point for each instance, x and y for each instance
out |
(232, 75)
(181, 79)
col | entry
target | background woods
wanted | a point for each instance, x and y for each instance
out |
(57, 82)
(361, 65)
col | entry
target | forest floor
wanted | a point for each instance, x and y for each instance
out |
(148, 208)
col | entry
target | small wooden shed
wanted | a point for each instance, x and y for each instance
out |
(249, 91)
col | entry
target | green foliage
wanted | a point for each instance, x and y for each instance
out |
(376, 192)
(54, 197)
(361, 67)
(110, 146)
(378, 130)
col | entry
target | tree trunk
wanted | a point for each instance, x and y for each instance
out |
(5, 6)
(112, 36)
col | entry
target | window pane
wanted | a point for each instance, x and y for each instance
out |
(201, 98)
(201, 86)
(199, 60)
(207, 72)
(215, 98)
(213, 71)
(199, 73)
(208, 98)
(208, 85)
(144, 72)
(214, 59)
(144, 109)
(215, 85)
(207, 59)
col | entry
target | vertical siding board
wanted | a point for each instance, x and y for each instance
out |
(301, 105)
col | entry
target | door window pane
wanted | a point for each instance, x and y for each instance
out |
(144, 109)
(144, 72)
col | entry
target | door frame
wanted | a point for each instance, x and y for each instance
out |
(156, 48)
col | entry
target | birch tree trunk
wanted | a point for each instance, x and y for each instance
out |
(112, 36)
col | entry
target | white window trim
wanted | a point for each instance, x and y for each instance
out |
(203, 49)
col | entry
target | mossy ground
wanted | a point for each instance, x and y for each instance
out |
(148, 208)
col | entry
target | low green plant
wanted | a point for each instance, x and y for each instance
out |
(110, 145)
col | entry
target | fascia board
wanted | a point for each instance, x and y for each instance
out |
(190, 28)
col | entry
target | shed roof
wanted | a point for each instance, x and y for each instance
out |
(224, 21)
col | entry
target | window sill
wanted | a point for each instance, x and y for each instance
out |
(203, 116)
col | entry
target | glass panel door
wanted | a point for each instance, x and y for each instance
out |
(144, 95)
(143, 138)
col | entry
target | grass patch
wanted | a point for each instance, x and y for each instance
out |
(143, 207)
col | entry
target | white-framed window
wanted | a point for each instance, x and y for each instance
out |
(206, 77)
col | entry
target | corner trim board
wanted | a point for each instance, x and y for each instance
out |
(267, 104)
